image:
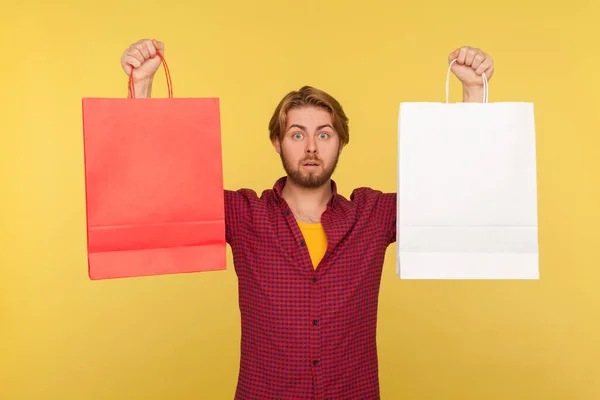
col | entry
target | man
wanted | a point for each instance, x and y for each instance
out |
(308, 260)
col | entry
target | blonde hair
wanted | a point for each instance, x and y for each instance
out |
(309, 96)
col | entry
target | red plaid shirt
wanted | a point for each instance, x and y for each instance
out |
(306, 333)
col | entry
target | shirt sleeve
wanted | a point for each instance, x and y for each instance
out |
(382, 209)
(387, 204)
(237, 210)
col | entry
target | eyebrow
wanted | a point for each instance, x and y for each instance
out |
(304, 128)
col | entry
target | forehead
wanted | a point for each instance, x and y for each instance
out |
(309, 116)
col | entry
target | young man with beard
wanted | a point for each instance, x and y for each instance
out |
(308, 260)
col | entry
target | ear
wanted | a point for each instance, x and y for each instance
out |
(277, 145)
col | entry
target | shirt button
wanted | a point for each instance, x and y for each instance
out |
(302, 243)
(287, 212)
(314, 279)
(315, 322)
(315, 362)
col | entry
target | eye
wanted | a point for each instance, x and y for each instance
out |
(323, 135)
(298, 136)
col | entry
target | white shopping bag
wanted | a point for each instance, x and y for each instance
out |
(467, 192)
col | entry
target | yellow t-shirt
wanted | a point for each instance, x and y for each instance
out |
(316, 241)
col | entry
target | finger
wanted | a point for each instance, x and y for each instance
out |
(471, 53)
(134, 62)
(478, 59)
(462, 55)
(143, 49)
(141, 42)
(484, 66)
(151, 49)
(136, 54)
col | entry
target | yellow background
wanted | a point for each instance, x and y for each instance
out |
(177, 337)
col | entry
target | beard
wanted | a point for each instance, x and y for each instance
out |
(309, 179)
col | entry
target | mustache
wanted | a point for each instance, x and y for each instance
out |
(307, 159)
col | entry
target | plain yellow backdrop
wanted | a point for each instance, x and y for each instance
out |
(177, 337)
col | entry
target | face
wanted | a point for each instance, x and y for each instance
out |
(310, 147)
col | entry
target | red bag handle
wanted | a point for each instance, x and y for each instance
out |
(167, 74)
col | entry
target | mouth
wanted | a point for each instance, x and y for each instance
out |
(310, 165)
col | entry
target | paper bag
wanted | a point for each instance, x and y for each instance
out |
(154, 185)
(467, 193)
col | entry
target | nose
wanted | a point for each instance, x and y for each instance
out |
(311, 145)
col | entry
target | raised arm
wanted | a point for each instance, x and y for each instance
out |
(469, 67)
(142, 56)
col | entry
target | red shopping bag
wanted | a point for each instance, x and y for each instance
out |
(154, 185)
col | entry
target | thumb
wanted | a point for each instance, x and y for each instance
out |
(453, 55)
(160, 47)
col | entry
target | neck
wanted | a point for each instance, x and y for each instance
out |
(307, 203)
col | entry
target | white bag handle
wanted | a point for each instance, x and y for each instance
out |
(485, 84)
